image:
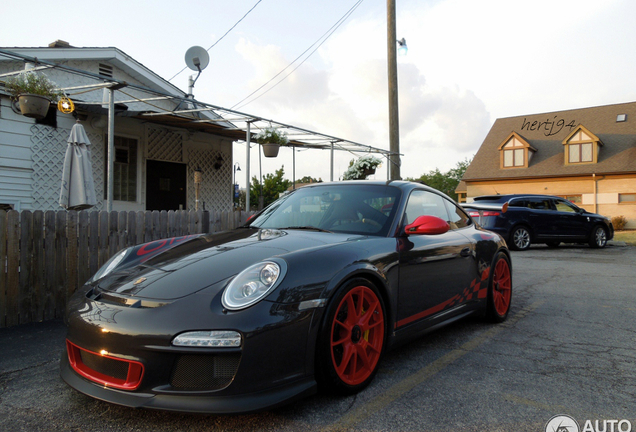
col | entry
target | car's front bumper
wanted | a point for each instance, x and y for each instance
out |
(273, 364)
(210, 403)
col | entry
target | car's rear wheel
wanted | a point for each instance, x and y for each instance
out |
(553, 244)
(520, 238)
(500, 289)
(598, 238)
(352, 337)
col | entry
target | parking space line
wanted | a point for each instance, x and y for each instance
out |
(534, 404)
(380, 402)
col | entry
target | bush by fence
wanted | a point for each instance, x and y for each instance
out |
(46, 256)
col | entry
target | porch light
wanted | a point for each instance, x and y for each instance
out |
(209, 338)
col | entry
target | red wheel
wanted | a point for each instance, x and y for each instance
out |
(500, 292)
(355, 332)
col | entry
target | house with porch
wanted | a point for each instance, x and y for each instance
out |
(162, 136)
(586, 155)
(155, 158)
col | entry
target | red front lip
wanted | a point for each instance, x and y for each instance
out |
(133, 377)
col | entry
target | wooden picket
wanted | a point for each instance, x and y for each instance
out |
(46, 256)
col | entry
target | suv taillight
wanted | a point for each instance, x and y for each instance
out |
(486, 213)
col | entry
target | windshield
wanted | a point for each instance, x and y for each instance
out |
(353, 208)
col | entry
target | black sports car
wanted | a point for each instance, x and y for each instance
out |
(313, 290)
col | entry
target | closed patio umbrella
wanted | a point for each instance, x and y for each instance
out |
(78, 189)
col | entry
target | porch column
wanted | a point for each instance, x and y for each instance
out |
(331, 175)
(111, 150)
(247, 168)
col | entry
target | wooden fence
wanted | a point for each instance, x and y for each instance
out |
(46, 256)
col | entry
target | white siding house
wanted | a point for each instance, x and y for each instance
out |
(154, 162)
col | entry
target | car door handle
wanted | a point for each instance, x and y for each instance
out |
(465, 252)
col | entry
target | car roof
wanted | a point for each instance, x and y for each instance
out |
(506, 198)
(401, 184)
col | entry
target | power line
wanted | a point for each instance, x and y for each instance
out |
(226, 33)
(322, 38)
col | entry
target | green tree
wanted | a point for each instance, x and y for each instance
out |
(308, 179)
(273, 186)
(445, 182)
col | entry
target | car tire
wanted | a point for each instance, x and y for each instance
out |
(351, 343)
(520, 238)
(598, 238)
(499, 289)
(553, 244)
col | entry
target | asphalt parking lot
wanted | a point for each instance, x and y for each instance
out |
(568, 347)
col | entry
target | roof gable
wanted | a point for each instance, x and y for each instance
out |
(581, 134)
(111, 55)
(515, 140)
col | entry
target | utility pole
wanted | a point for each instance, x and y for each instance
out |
(394, 121)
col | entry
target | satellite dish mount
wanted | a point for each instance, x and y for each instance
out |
(197, 59)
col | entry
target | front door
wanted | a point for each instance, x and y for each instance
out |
(570, 223)
(166, 185)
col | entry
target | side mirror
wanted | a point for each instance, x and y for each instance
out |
(427, 225)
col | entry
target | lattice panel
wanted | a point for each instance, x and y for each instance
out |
(47, 153)
(165, 145)
(216, 185)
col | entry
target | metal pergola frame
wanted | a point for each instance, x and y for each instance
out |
(199, 116)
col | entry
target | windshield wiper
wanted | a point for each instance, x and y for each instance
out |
(308, 227)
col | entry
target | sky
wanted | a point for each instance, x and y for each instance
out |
(469, 62)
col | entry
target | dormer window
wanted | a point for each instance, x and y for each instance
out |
(580, 153)
(581, 147)
(515, 152)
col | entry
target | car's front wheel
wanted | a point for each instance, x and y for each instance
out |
(500, 289)
(598, 238)
(520, 238)
(352, 337)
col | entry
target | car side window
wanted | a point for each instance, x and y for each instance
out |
(563, 206)
(539, 204)
(424, 203)
(518, 203)
(458, 218)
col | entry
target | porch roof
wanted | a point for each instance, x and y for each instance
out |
(199, 116)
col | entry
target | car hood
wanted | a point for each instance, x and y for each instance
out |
(594, 215)
(207, 260)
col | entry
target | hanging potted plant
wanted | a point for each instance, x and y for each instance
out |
(34, 92)
(271, 139)
(362, 168)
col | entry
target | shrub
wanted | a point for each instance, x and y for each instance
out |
(619, 222)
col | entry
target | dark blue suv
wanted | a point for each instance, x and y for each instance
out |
(526, 219)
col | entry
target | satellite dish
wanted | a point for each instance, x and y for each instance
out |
(197, 58)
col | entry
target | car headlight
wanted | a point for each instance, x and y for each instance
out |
(111, 264)
(252, 284)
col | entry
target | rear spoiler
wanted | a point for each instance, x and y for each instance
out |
(483, 206)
